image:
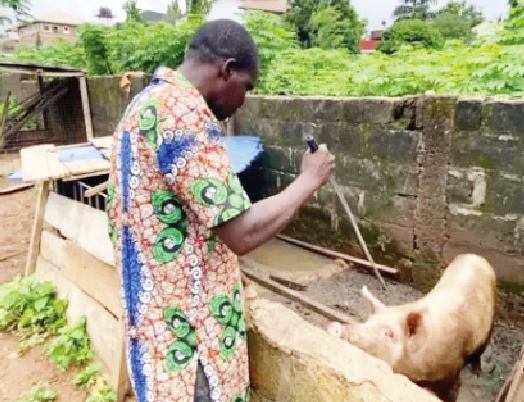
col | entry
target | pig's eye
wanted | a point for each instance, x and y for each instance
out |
(386, 332)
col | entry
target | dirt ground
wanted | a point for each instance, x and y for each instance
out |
(341, 292)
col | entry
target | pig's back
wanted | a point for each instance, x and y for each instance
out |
(466, 294)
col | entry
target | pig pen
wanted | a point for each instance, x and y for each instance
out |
(342, 292)
(291, 359)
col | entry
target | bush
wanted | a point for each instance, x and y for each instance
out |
(414, 32)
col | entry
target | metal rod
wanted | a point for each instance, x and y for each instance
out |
(313, 146)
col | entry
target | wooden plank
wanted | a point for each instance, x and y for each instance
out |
(62, 75)
(88, 166)
(52, 248)
(96, 278)
(513, 389)
(97, 189)
(34, 248)
(101, 324)
(103, 142)
(5, 113)
(334, 254)
(79, 222)
(86, 108)
(255, 272)
(14, 189)
(34, 162)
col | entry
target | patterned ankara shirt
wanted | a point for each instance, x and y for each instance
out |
(171, 182)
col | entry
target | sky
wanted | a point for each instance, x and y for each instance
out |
(375, 11)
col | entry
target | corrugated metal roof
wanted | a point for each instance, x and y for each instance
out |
(28, 67)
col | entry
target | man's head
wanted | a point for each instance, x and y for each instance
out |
(222, 62)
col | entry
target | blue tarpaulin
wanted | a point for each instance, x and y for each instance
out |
(243, 150)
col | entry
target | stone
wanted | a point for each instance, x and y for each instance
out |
(369, 110)
(469, 114)
(507, 116)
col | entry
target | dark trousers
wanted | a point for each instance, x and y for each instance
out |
(201, 386)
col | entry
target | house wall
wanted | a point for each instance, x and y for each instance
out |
(28, 35)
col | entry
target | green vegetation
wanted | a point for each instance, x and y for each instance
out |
(87, 378)
(32, 310)
(310, 51)
(71, 345)
(411, 32)
(39, 393)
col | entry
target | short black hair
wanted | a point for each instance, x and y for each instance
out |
(224, 39)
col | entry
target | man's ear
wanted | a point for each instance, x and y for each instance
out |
(227, 68)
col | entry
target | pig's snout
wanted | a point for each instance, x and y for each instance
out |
(335, 328)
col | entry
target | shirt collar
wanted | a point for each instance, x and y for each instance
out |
(172, 76)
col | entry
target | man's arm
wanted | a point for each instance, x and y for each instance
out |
(268, 217)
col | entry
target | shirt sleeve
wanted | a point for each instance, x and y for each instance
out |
(199, 170)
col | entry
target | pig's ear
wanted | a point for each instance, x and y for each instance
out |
(413, 323)
(376, 304)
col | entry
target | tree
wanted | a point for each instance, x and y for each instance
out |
(453, 26)
(513, 3)
(132, 11)
(174, 14)
(414, 9)
(413, 32)
(201, 7)
(466, 11)
(302, 13)
(20, 8)
(329, 31)
(93, 38)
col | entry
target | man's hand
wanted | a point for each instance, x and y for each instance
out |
(268, 217)
(318, 166)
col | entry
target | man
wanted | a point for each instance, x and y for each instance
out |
(178, 218)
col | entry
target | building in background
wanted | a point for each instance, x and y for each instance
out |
(232, 9)
(50, 28)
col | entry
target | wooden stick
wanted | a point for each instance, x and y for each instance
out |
(249, 269)
(86, 107)
(14, 189)
(34, 248)
(97, 189)
(4, 118)
(334, 254)
(513, 389)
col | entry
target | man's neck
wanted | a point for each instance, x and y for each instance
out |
(197, 74)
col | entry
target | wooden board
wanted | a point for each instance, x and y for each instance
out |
(513, 389)
(38, 223)
(96, 278)
(85, 167)
(102, 326)
(41, 162)
(256, 273)
(87, 226)
(334, 254)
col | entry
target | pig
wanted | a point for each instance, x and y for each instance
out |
(431, 340)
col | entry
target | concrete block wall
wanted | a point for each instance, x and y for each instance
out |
(428, 177)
